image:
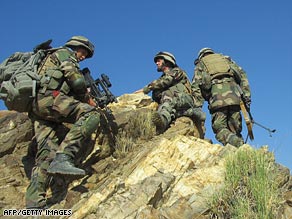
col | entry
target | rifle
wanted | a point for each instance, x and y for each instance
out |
(248, 117)
(246, 113)
(99, 88)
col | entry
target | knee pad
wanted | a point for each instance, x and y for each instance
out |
(90, 124)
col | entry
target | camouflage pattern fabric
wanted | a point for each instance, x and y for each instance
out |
(227, 126)
(172, 92)
(57, 102)
(223, 97)
(47, 142)
(170, 108)
(60, 67)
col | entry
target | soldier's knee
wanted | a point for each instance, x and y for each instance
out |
(91, 123)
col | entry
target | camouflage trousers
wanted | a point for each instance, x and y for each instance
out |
(172, 107)
(49, 113)
(48, 143)
(227, 125)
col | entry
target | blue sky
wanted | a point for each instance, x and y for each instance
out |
(127, 34)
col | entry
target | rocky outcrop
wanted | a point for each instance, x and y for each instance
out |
(172, 175)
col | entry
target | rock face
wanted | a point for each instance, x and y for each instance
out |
(172, 175)
(169, 177)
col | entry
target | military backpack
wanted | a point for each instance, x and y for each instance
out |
(19, 78)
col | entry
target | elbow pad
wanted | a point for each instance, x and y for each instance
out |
(77, 83)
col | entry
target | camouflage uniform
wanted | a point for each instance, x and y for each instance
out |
(172, 91)
(62, 98)
(216, 80)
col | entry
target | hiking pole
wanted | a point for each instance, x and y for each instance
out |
(269, 130)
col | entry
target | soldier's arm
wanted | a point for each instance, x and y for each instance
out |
(74, 77)
(243, 81)
(245, 84)
(163, 82)
(196, 89)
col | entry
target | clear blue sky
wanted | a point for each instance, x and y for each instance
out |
(127, 34)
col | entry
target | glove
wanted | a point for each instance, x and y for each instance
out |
(146, 90)
(247, 101)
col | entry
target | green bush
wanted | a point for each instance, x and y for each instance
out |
(250, 190)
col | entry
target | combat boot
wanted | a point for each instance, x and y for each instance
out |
(63, 164)
(160, 122)
(199, 114)
(235, 141)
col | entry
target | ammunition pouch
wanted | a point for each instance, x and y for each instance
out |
(51, 80)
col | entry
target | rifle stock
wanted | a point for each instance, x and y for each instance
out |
(246, 114)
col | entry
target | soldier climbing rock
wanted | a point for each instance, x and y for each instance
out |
(172, 92)
(61, 98)
(216, 80)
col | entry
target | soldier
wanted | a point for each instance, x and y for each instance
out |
(172, 92)
(217, 79)
(62, 98)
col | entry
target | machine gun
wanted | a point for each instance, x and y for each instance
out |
(99, 88)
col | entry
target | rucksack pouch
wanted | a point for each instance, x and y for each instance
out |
(19, 78)
(12, 64)
(19, 92)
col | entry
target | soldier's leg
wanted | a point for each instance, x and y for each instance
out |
(236, 120)
(59, 188)
(164, 115)
(170, 106)
(47, 143)
(35, 196)
(87, 121)
(185, 107)
(221, 130)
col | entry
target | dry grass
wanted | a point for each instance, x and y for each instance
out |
(139, 127)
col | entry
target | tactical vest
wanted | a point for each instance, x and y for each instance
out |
(217, 66)
(52, 77)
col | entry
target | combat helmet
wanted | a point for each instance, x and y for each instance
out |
(76, 41)
(204, 51)
(166, 56)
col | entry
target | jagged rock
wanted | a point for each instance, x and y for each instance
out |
(171, 175)
(15, 128)
(130, 102)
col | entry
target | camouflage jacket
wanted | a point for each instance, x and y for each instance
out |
(219, 91)
(60, 71)
(169, 84)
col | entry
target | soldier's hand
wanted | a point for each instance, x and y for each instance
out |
(91, 102)
(247, 102)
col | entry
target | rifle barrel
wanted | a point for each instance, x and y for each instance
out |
(268, 129)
